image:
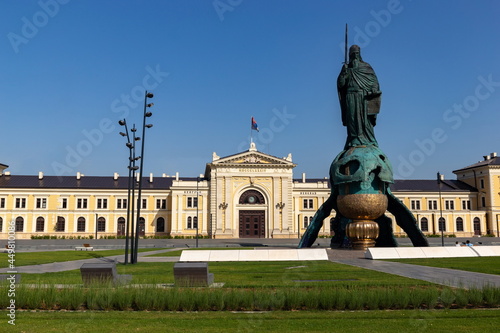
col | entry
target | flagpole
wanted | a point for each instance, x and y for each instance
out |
(251, 131)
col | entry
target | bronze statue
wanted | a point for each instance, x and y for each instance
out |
(360, 176)
(359, 96)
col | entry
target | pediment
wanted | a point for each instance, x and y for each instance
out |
(252, 158)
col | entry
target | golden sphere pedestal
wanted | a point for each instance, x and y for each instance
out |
(362, 209)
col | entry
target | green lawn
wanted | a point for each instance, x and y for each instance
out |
(248, 274)
(418, 321)
(37, 258)
(488, 265)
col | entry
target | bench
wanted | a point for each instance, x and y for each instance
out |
(102, 273)
(85, 247)
(192, 274)
(17, 278)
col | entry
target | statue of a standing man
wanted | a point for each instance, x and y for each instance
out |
(359, 95)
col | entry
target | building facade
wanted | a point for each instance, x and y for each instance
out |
(246, 195)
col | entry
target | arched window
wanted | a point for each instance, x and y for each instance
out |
(40, 224)
(460, 224)
(442, 224)
(61, 224)
(190, 222)
(195, 222)
(80, 224)
(160, 224)
(1, 224)
(477, 226)
(424, 224)
(120, 226)
(306, 221)
(19, 224)
(252, 197)
(101, 224)
(142, 226)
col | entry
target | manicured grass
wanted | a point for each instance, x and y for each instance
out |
(177, 253)
(37, 258)
(247, 274)
(411, 321)
(488, 265)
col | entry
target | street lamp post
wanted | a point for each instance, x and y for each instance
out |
(441, 220)
(139, 203)
(198, 179)
(197, 203)
(129, 232)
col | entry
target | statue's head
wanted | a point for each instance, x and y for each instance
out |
(355, 52)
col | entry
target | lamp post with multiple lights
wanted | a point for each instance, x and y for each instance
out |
(146, 114)
(134, 231)
(129, 230)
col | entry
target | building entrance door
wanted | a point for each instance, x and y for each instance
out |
(252, 224)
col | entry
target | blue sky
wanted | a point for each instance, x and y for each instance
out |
(71, 69)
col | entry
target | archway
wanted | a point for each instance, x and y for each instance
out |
(252, 217)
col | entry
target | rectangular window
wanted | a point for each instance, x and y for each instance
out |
(449, 205)
(308, 203)
(121, 203)
(81, 203)
(192, 202)
(41, 203)
(161, 204)
(64, 203)
(2, 202)
(144, 204)
(102, 203)
(482, 183)
(466, 204)
(20, 202)
(433, 205)
(415, 204)
(483, 201)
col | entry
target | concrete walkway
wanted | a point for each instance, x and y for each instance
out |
(76, 264)
(444, 276)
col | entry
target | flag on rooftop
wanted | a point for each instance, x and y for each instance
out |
(254, 125)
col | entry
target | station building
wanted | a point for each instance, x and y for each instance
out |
(246, 195)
